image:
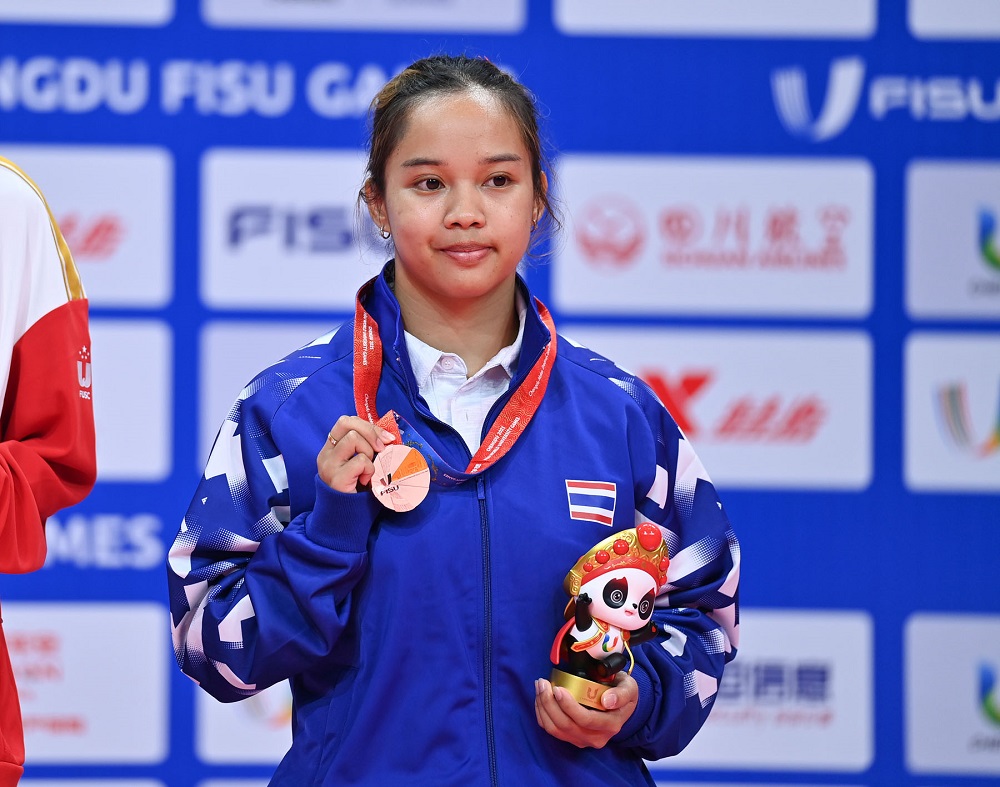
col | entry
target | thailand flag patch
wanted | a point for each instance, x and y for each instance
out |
(591, 501)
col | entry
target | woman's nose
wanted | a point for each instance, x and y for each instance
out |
(465, 208)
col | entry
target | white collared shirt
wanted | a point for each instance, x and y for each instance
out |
(460, 401)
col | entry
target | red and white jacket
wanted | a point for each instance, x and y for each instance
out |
(47, 455)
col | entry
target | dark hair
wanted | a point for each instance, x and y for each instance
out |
(446, 74)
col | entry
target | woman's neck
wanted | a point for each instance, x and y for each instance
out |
(474, 330)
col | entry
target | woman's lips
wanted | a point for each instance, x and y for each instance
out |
(466, 252)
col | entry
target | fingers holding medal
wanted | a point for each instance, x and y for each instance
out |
(359, 454)
(345, 462)
(401, 478)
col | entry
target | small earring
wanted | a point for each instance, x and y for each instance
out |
(534, 224)
(384, 233)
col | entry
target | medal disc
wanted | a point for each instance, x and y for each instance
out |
(401, 478)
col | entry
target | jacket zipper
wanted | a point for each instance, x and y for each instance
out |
(487, 632)
(487, 602)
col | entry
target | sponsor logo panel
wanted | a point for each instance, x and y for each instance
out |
(114, 206)
(799, 697)
(279, 230)
(133, 403)
(927, 99)
(762, 409)
(254, 730)
(965, 649)
(499, 16)
(729, 236)
(96, 12)
(765, 18)
(952, 415)
(953, 239)
(954, 18)
(231, 354)
(72, 712)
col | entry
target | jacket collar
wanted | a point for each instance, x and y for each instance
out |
(381, 303)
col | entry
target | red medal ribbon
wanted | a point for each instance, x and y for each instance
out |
(510, 423)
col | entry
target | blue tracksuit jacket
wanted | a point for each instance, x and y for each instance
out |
(412, 640)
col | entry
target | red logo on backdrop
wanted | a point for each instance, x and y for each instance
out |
(92, 238)
(781, 227)
(772, 419)
(835, 220)
(681, 225)
(676, 395)
(611, 231)
(738, 237)
(747, 418)
(36, 658)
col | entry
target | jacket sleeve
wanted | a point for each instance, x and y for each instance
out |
(256, 598)
(47, 452)
(697, 610)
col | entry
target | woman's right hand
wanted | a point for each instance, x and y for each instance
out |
(345, 461)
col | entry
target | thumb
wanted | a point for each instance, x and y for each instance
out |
(609, 699)
(621, 694)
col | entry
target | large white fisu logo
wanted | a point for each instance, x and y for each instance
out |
(788, 86)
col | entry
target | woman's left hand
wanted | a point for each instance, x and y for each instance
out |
(564, 718)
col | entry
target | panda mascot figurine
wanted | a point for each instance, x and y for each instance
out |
(612, 589)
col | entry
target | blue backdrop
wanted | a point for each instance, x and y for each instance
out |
(904, 95)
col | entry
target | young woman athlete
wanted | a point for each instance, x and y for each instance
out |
(388, 514)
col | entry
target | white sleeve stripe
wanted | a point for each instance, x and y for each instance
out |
(658, 492)
(231, 678)
(231, 626)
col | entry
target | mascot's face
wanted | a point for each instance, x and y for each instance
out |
(622, 598)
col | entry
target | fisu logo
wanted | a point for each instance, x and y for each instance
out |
(989, 695)
(988, 238)
(84, 372)
(791, 98)
(954, 412)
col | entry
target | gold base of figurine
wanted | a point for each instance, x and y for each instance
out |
(584, 691)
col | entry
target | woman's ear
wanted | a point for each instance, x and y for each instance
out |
(539, 211)
(376, 206)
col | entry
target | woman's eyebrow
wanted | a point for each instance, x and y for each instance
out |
(422, 161)
(500, 158)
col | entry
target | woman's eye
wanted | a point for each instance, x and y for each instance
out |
(431, 184)
(499, 180)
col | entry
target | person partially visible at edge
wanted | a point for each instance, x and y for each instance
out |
(47, 454)
(417, 641)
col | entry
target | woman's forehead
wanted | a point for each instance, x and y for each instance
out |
(472, 123)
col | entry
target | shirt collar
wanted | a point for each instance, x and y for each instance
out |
(384, 308)
(423, 357)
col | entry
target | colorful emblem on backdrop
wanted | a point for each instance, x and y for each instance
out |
(988, 238)
(953, 407)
